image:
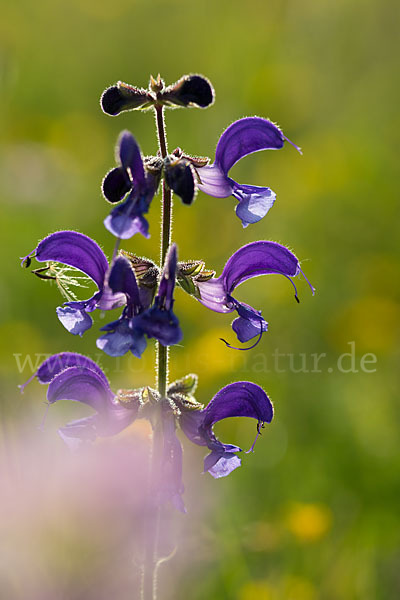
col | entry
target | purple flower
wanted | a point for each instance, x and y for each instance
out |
(80, 252)
(159, 321)
(138, 320)
(240, 399)
(252, 260)
(71, 376)
(243, 137)
(133, 176)
(121, 336)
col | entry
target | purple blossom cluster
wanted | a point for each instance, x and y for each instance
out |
(144, 290)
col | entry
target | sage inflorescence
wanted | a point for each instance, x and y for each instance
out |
(144, 291)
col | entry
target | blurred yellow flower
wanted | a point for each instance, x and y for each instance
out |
(309, 522)
(256, 590)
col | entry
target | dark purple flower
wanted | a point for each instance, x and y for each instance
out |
(180, 177)
(190, 90)
(123, 96)
(121, 336)
(159, 321)
(243, 137)
(80, 252)
(240, 399)
(139, 320)
(131, 176)
(252, 260)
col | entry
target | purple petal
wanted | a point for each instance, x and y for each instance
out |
(180, 177)
(79, 432)
(131, 158)
(121, 338)
(59, 362)
(89, 428)
(249, 323)
(124, 222)
(117, 419)
(258, 258)
(81, 385)
(254, 202)
(190, 421)
(106, 300)
(240, 399)
(116, 184)
(122, 279)
(167, 283)
(160, 324)
(75, 320)
(213, 295)
(159, 321)
(76, 250)
(214, 182)
(223, 466)
(244, 137)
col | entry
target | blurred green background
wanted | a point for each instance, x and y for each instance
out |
(314, 513)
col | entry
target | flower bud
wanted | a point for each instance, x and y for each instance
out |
(122, 96)
(180, 177)
(190, 90)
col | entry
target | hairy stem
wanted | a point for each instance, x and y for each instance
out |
(149, 575)
(166, 226)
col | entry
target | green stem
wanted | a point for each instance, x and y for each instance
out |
(166, 226)
(149, 575)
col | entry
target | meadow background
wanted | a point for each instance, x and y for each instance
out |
(313, 514)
